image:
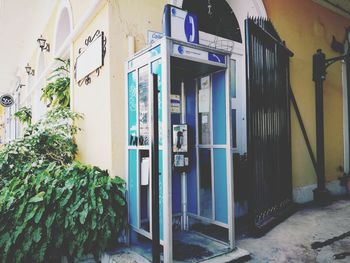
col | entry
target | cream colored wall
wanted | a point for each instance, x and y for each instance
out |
(306, 26)
(126, 18)
(93, 101)
(102, 139)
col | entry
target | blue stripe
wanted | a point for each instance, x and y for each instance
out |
(132, 188)
(220, 185)
(219, 108)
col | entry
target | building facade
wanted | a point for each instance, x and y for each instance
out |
(304, 25)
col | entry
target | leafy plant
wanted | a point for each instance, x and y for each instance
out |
(57, 92)
(55, 211)
(24, 114)
(50, 205)
(48, 140)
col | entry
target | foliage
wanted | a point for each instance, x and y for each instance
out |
(56, 92)
(71, 210)
(49, 140)
(24, 114)
(50, 205)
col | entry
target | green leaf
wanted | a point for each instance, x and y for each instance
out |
(66, 198)
(37, 198)
(83, 214)
(93, 221)
(30, 213)
(39, 214)
(99, 206)
(50, 220)
(104, 194)
(37, 235)
(18, 231)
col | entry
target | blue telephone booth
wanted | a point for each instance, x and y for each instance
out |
(195, 159)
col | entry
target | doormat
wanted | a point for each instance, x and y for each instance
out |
(189, 252)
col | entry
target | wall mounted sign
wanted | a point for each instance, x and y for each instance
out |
(153, 36)
(175, 106)
(180, 24)
(91, 58)
(6, 100)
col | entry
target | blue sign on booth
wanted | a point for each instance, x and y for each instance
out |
(180, 24)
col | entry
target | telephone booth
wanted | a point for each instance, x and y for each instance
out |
(195, 159)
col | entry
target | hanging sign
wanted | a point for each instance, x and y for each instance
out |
(6, 100)
(91, 58)
(180, 24)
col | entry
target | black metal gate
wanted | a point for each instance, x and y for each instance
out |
(268, 115)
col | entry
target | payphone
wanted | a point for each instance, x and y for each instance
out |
(180, 147)
(195, 164)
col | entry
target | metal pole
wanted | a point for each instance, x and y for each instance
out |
(320, 135)
(321, 194)
(155, 173)
(184, 217)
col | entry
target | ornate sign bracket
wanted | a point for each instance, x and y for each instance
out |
(90, 58)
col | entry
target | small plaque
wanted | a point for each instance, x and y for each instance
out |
(6, 100)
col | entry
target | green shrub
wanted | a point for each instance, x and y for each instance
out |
(50, 205)
(49, 140)
(24, 114)
(57, 91)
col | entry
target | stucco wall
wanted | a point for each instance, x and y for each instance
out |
(126, 18)
(306, 26)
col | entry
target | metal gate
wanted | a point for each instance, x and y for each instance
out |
(268, 115)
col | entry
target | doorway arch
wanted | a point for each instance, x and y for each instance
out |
(64, 25)
(241, 9)
(233, 23)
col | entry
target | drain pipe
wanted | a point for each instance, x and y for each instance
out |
(184, 216)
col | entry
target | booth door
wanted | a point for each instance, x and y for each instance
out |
(211, 148)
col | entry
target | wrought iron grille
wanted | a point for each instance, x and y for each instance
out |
(268, 112)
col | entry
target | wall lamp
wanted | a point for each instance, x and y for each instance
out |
(19, 86)
(42, 44)
(29, 70)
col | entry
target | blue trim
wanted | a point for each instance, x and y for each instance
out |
(191, 122)
(132, 133)
(219, 108)
(132, 187)
(220, 185)
(161, 214)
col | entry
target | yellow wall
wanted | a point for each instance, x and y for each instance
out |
(102, 139)
(127, 18)
(306, 26)
(93, 100)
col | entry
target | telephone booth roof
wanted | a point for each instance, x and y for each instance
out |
(184, 56)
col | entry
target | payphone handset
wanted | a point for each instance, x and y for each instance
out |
(192, 32)
(180, 145)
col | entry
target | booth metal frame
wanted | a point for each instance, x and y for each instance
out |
(164, 54)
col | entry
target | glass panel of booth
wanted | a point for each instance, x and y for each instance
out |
(234, 104)
(132, 133)
(204, 111)
(139, 84)
(143, 98)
